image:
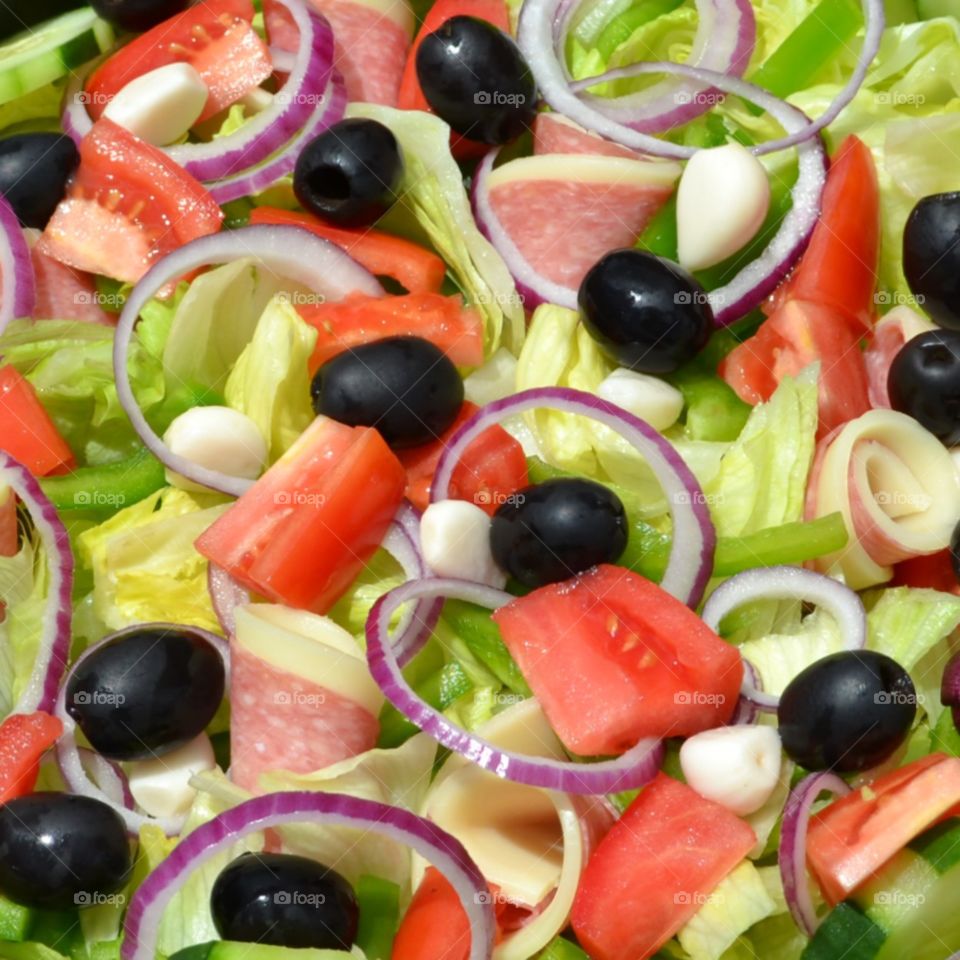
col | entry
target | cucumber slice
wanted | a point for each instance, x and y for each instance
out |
(845, 932)
(34, 58)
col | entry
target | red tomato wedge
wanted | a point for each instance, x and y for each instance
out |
(848, 841)
(492, 467)
(64, 293)
(416, 269)
(654, 869)
(214, 36)
(305, 529)
(796, 335)
(839, 267)
(26, 431)
(129, 205)
(411, 96)
(612, 659)
(24, 738)
(444, 321)
(935, 572)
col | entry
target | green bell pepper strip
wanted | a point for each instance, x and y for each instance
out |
(713, 410)
(379, 902)
(621, 27)
(109, 488)
(815, 42)
(560, 949)
(482, 637)
(648, 549)
(440, 689)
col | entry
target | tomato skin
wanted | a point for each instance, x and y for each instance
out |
(839, 267)
(24, 738)
(933, 572)
(852, 838)
(359, 319)
(26, 431)
(613, 659)
(129, 205)
(492, 467)
(435, 926)
(416, 269)
(305, 529)
(652, 872)
(215, 37)
(411, 96)
(797, 334)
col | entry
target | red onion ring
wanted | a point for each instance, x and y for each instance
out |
(792, 852)
(53, 648)
(69, 757)
(788, 583)
(328, 111)
(263, 134)
(633, 769)
(225, 595)
(18, 291)
(444, 851)
(535, 38)
(108, 776)
(288, 251)
(726, 33)
(748, 711)
(694, 537)
(402, 542)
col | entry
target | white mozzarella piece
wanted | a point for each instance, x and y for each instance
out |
(737, 767)
(162, 786)
(218, 438)
(650, 398)
(162, 105)
(722, 199)
(455, 538)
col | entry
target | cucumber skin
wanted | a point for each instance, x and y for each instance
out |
(845, 933)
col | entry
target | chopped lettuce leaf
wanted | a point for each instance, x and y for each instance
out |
(762, 479)
(23, 590)
(399, 777)
(432, 191)
(270, 381)
(235, 119)
(379, 576)
(214, 322)
(144, 563)
(40, 109)
(738, 902)
(70, 365)
(913, 627)
(30, 951)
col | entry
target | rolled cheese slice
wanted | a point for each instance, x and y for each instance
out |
(530, 844)
(301, 695)
(897, 488)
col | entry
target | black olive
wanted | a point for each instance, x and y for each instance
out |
(848, 711)
(955, 551)
(146, 692)
(645, 312)
(350, 173)
(34, 169)
(404, 386)
(285, 901)
(556, 529)
(59, 851)
(924, 382)
(475, 77)
(138, 15)
(931, 256)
